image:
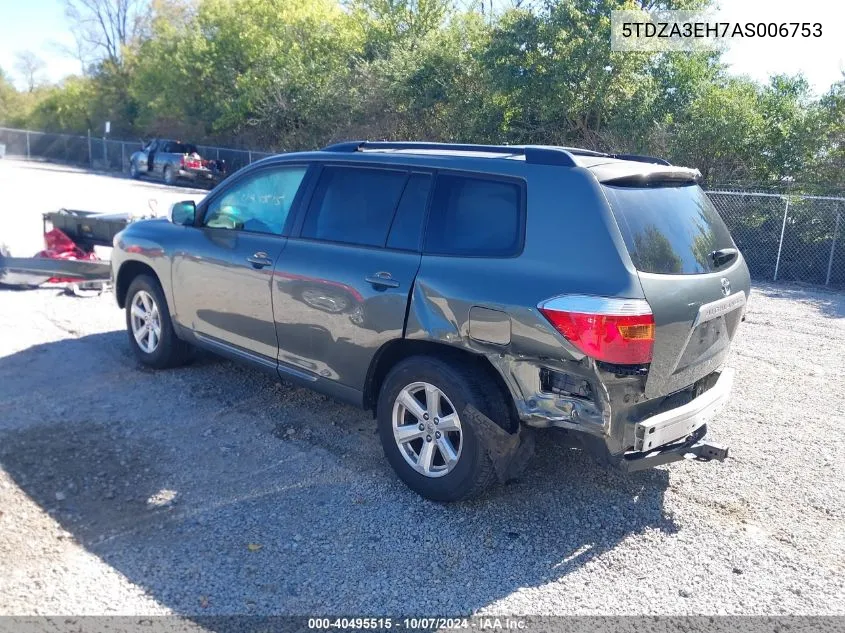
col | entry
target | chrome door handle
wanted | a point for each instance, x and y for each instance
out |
(259, 260)
(382, 279)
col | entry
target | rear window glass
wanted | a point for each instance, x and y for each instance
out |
(354, 205)
(474, 217)
(672, 230)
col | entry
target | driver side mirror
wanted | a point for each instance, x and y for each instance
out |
(183, 213)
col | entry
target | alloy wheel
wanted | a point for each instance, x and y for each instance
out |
(427, 429)
(146, 321)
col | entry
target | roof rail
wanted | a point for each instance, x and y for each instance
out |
(639, 158)
(580, 151)
(535, 154)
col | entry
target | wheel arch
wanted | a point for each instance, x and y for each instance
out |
(397, 350)
(128, 271)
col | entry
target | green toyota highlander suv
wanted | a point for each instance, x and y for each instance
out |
(467, 294)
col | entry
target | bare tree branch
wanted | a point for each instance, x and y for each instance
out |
(103, 28)
(30, 66)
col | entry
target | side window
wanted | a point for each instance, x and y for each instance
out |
(354, 205)
(406, 229)
(474, 217)
(260, 203)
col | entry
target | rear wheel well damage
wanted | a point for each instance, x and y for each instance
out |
(498, 398)
(129, 271)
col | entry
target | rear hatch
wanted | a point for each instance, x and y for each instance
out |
(692, 275)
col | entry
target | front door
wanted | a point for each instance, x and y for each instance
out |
(341, 287)
(148, 156)
(222, 278)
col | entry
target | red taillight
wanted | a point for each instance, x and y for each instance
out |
(617, 331)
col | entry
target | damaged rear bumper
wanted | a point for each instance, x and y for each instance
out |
(676, 424)
(633, 437)
(692, 447)
(679, 433)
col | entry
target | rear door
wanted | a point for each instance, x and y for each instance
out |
(222, 276)
(162, 157)
(692, 275)
(342, 284)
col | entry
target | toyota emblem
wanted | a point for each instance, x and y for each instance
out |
(726, 287)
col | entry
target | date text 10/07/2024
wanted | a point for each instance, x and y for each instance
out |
(479, 623)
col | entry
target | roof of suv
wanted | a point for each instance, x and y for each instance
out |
(608, 168)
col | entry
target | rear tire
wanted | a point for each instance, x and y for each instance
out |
(468, 470)
(169, 176)
(151, 333)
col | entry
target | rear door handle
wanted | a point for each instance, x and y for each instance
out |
(383, 280)
(259, 260)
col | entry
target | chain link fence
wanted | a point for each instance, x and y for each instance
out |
(101, 153)
(787, 237)
(783, 237)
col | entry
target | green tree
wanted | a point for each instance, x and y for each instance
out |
(66, 108)
(556, 80)
(721, 132)
(439, 89)
(9, 100)
(263, 68)
(784, 107)
(397, 23)
(286, 74)
(825, 167)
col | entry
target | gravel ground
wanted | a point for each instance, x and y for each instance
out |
(213, 489)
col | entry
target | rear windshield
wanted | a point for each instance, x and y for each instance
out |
(672, 230)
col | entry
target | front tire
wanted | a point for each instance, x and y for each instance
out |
(150, 329)
(428, 440)
(133, 170)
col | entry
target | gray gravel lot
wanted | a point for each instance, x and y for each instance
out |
(215, 490)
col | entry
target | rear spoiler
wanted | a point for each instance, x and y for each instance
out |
(632, 174)
(639, 158)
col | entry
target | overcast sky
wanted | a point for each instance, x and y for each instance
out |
(39, 26)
